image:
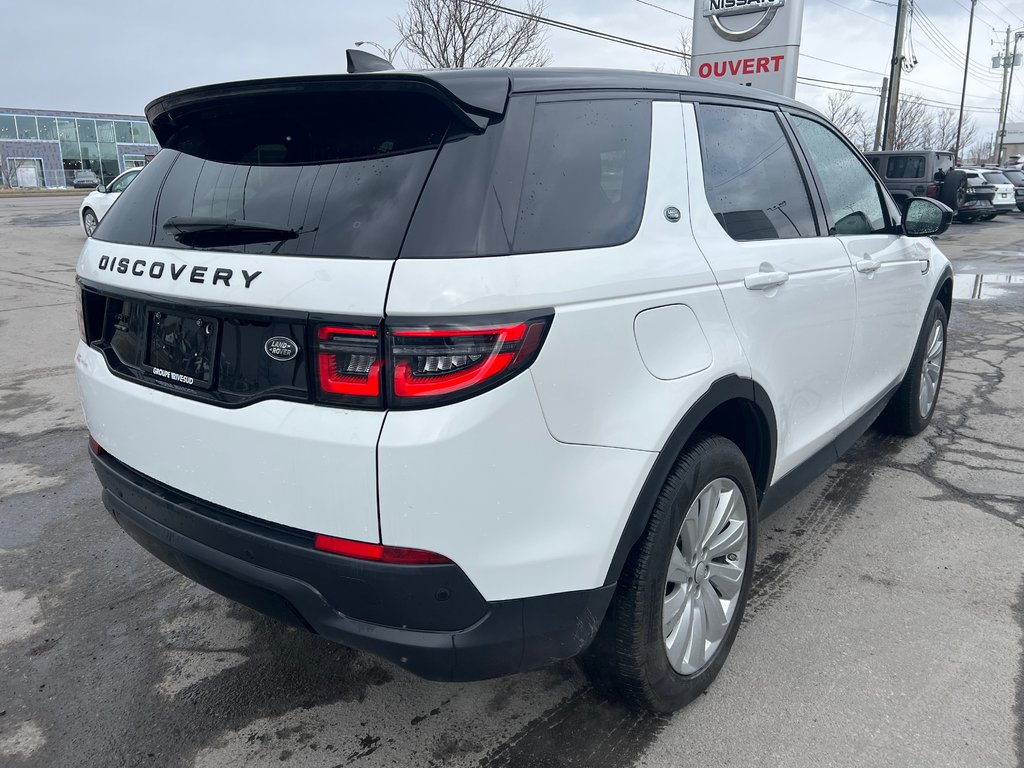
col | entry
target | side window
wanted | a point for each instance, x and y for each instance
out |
(586, 175)
(122, 183)
(905, 167)
(751, 177)
(850, 190)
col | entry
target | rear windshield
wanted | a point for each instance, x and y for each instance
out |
(359, 177)
(1017, 177)
(995, 177)
(342, 177)
(976, 181)
(905, 167)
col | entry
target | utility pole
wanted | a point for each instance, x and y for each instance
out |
(895, 69)
(1006, 109)
(998, 139)
(881, 113)
(963, 91)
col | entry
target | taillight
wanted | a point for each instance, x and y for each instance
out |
(80, 309)
(95, 447)
(349, 364)
(932, 191)
(380, 553)
(434, 365)
(417, 366)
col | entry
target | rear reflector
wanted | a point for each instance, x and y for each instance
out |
(380, 553)
(95, 447)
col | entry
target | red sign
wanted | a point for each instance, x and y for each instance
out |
(749, 66)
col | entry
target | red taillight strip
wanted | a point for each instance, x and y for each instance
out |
(379, 553)
(95, 447)
(421, 365)
(335, 382)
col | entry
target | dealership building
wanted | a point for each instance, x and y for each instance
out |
(40, 148)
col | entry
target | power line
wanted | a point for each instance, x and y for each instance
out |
(1009, 11)
(859, 13)
(578, 29)
(840, 64)
(666, 10)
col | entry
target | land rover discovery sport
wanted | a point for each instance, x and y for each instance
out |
(480, 370)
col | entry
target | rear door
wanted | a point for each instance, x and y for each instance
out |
(789, 289)
(891, 269)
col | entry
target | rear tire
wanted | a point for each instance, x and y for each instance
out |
(913, 405)
(680, 598)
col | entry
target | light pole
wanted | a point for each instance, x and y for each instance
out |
(388, 53)
(1009, 86)
(963, 92)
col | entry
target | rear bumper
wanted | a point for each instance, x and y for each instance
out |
(429, 619)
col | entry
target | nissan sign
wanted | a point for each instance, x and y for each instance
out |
(750, 42)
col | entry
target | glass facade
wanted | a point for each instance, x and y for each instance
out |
(84, 142)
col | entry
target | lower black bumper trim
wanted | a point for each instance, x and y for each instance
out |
(510, 636)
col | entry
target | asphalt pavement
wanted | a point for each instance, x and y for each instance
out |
(885, 627)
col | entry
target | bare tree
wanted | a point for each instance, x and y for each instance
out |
(467, 33)
(847, 115)
(913, 123)
(682, 66)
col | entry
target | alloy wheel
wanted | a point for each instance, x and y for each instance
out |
(705, 574)
(931, 369)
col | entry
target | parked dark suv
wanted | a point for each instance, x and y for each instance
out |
(920, 173)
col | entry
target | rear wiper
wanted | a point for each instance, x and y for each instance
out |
(211, 231)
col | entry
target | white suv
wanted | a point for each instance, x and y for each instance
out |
(479, 370)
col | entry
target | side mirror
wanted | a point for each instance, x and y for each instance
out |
(923, 216)
(101, 188)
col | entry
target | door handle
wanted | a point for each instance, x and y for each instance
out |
(867, 266)
(762, 281)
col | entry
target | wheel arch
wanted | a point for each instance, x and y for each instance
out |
(734, 407)
(944, 291)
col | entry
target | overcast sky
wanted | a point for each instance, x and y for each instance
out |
(115, 55)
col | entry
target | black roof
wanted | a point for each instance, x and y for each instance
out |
(479, 93)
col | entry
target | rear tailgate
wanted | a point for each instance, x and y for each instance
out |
(276, 455)
(276, 209)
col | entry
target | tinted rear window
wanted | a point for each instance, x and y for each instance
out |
(343, 173)
(905, 167)
(1017, 177)
(995, 177)
(552, 175)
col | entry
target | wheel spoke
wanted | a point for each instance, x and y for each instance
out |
(675, 641)
(693, 653)
(688, 540)
(719, 517)
(678, 569)
(672, 610)
(714, 615)
(708, 507)
(726, 578)
(730, 540)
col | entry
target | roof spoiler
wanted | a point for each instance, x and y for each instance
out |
(360, 61)
(475, 100)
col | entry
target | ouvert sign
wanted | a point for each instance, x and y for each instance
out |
(750, 42)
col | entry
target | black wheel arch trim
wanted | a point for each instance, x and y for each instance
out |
(723, 390)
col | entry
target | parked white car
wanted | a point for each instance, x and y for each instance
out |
(96, 204)
(1005, 199)
(478, 370)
